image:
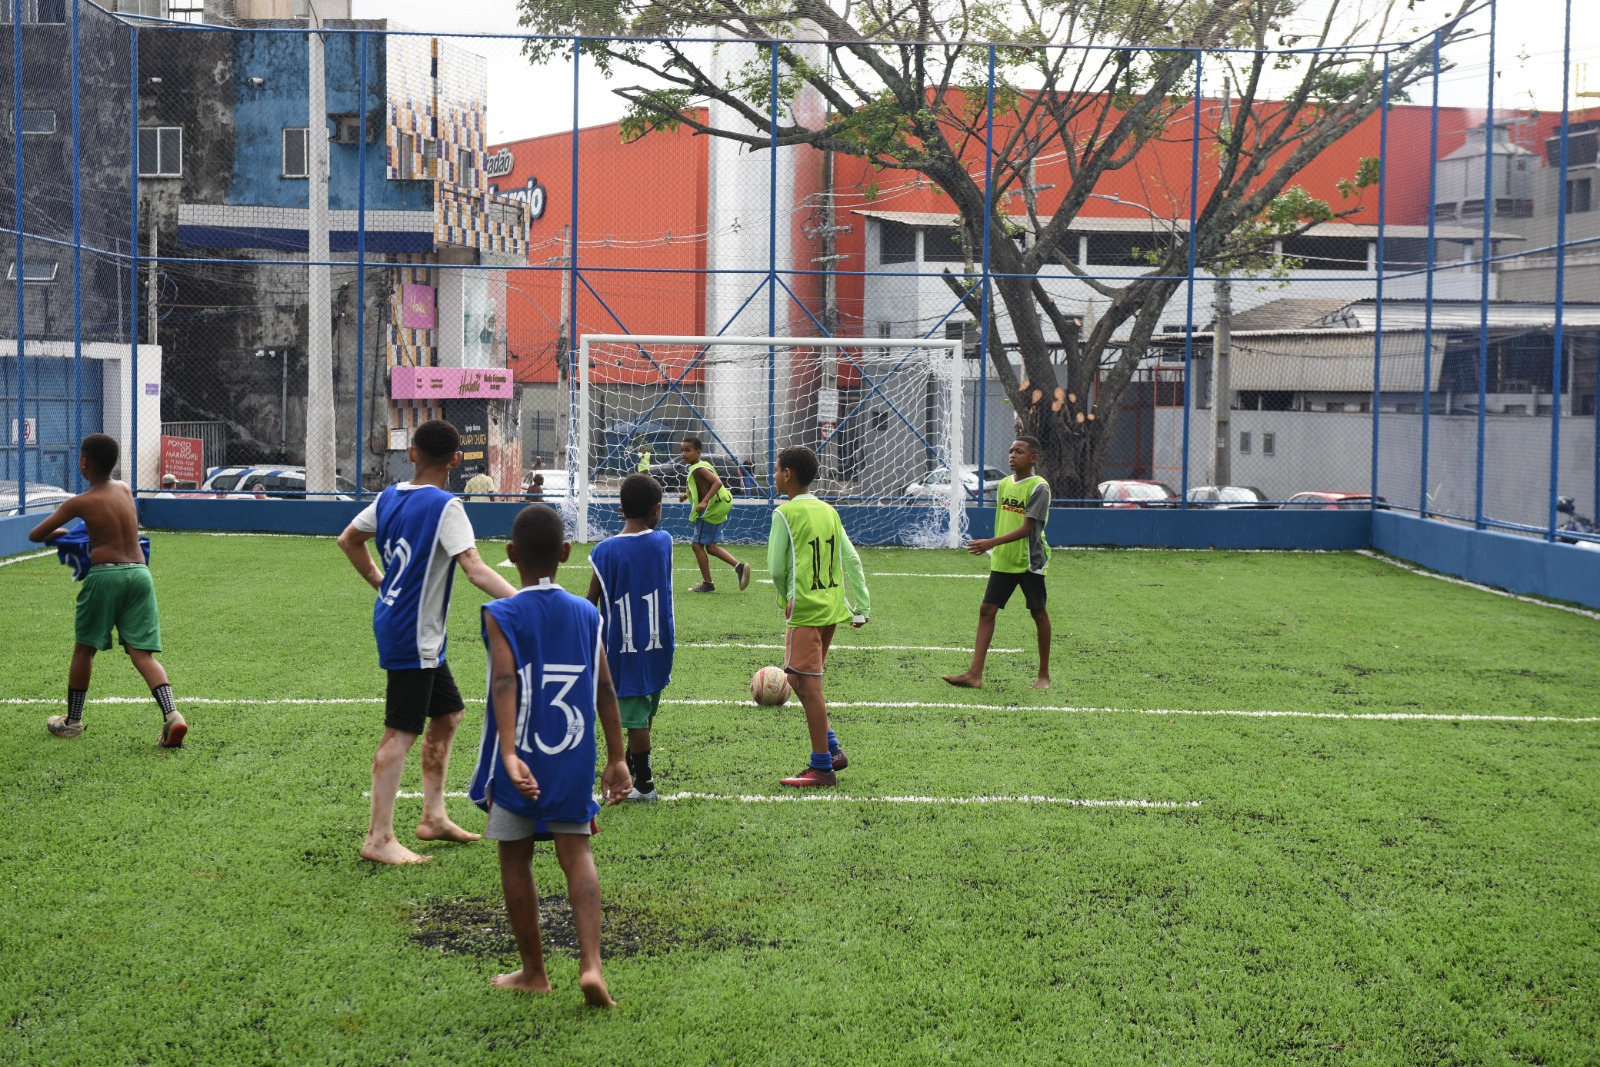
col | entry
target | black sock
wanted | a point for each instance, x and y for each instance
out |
(643, 777)
(632, 771)
(163, 695)
(75, 702)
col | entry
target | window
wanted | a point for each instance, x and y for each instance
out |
(1269, 444)
(1244, 442)
(34, 121)
(897, 242)
(34, 270)
(1327, 253)
(464, 174)
(187, 10)
(942, 244)
(35, 11)
(296, 152)
(160, 151)
(1580, 195)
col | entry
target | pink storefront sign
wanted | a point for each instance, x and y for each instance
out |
(449, 383)
(418, 310)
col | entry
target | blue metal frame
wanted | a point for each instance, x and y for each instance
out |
(1488, 250)
(1377, 326)
(571, 250)
(1433, 258)
(133, 265)
(981, 454)
(361, 279)
(772, 277)
(21, 439)
(1188, 333)
(77, 246)
(1558, 340)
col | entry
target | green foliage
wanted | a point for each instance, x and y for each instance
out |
(1368, 173)
(1348, 891)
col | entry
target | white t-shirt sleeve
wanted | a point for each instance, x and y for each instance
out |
(455, 530)
(367, 521)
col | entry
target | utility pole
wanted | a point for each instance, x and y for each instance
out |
(151, 293)
(1222, 335)
(321, 460)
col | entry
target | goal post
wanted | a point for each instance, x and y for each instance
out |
(883, 414)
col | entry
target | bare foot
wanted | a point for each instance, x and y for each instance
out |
(595, 993)
(444, 830)
(521, 982)
(964, 681)
(392, 852)
(1042, 683)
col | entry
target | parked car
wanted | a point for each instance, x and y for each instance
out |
(1137, 493)
(936, 483)
(673, 476)
(1327, 501)
(1228, 496)
(285, 482)
(41, 498)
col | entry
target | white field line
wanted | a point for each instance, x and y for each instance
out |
(1381, 558)
(1380, 716)
(847, 648)
(31, 555)
(835, 798)
(1394, 716)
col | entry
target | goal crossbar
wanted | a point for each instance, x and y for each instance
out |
(580, 473)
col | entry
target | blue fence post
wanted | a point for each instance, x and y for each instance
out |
(1558, 341)
(981, 452)
(1423, 507)
(20, 440)
(577, 451)
(361, 276)
(1188, 334)
(77, 249)
(133, 267)
(1484, 265)
(772, 279)
(1377, 322)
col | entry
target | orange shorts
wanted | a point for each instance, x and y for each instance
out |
(805, 649)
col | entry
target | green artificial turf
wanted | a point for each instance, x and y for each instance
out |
(1347, 891)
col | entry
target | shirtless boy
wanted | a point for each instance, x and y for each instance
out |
(117, 591)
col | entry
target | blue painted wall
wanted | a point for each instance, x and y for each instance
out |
(53, 457)
(262, 112)
(1520, 564)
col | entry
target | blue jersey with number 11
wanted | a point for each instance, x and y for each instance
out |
(635, 572)
(555, 644)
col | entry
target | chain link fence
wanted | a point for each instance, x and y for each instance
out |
(258, 302)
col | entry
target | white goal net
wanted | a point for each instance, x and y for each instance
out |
(882, 414)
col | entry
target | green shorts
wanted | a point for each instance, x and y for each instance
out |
(638, 712)
(120, 595)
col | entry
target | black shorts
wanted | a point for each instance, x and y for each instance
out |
(420, 694)
(1003, 583)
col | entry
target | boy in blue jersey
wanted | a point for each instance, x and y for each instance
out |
(632, 587)
(423, 532)
(548, 680)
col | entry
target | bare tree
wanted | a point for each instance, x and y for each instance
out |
(906, 87)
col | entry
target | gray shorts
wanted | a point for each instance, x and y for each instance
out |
(507, 825)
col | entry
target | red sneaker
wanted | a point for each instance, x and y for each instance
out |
(840, 760)
(811, 778)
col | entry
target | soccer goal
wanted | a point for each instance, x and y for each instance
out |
(883, 415)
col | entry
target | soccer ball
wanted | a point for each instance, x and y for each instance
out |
(770, 686)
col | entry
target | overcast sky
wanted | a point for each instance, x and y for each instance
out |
(525, 102)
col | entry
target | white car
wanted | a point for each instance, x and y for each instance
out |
(42, 498)
(275, 482)
(936, 483)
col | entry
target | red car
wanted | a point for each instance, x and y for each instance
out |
(1333, 501)
(1125, 493)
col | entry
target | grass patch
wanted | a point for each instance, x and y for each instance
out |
(1348, 891)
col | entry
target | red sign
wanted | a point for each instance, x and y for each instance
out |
(181, 458)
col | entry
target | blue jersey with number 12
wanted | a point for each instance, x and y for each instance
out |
(555, 645)
(635, 572)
